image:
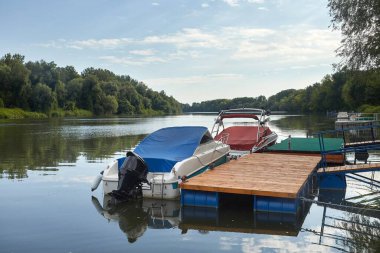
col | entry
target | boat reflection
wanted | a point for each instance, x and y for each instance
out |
(135, 217)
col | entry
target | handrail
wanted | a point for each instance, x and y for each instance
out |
(373, 144)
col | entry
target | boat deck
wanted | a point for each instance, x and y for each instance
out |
(258, 174)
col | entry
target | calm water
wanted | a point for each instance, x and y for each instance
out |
(47, 167)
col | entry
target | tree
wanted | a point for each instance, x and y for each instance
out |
(42, 98)
(74, 91)
(60, 91)
(110, 104)
(359, 22)
(13, 77)
(67, 73)
(43, 72)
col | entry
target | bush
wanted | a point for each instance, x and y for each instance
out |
(17, 113)
(369, 108)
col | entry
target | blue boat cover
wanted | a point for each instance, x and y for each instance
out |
(162, 149)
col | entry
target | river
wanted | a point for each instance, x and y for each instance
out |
(47, 168)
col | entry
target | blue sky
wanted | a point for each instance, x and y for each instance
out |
(193, 50)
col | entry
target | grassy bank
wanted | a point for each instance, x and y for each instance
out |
(16, 113)
(74, 113)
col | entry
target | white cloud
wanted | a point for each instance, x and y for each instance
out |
(187, 38)
(102, 43)
(190, 80)
(232, 3)
(292, 44)
(155, 4)
(263, 9)
(205, 5)
(297, 45)
(235, 3)
(132, 61)
(256, 1)
(146, 52)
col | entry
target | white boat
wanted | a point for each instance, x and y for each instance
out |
(245, 130)
(171, 155)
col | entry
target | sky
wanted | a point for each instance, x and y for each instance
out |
(194, 50)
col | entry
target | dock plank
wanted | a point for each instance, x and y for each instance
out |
(274, 175)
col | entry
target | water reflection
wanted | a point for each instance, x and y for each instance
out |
(45, 145)
(302, 125)
(136, 216)
(357, 230)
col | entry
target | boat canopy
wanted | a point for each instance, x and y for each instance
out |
(162, 149)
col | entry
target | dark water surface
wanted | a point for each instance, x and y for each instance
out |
(47, 168)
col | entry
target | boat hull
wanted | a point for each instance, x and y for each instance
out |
(166, 185)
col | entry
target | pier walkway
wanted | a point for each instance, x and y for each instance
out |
(364, 167)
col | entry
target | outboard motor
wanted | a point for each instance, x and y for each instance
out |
(132, 174)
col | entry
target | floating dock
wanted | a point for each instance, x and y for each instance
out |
(274, 182)
(309, 146)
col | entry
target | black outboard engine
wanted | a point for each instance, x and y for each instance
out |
(132, 174)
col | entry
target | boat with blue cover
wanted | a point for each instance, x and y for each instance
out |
(170, 155)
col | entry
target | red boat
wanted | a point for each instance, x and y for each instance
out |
(242, 136)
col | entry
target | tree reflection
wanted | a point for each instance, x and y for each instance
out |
(22, 151)
(310, 123)
(364, 233)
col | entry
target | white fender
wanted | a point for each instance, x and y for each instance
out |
(97, 181)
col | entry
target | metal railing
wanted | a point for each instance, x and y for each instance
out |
(358, 140)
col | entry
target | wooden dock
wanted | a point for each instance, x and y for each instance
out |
(280, 179)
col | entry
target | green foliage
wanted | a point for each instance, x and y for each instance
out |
(359, 22)
(13, 77)
(17, 113)
(43, 87)
(369, 108)
(344, 90)
(42, 98)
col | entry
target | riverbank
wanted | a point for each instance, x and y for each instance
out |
(17, 113)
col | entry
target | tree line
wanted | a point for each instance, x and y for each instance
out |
(344, 90)
(44, 87)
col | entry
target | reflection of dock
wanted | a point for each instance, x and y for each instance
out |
(273, 181)
(232, 220)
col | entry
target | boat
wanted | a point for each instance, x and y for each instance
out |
(170, 155)
(242, 136)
